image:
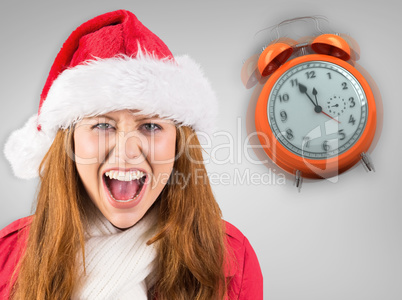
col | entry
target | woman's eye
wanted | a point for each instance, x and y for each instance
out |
(103, 126)
(151, 127)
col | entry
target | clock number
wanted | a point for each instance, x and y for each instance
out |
(310, 74)
(325, 146)
(352, 120)
(352, 102)
(289, 134)
(343, 136)
(306, 142)
(344, 86)
(329, 75)
(284, 116)
(284, 98)
(294, 82)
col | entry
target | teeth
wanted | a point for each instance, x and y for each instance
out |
(125, 176)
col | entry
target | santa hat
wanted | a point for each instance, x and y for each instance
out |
(112, 62)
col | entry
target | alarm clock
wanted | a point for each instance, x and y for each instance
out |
(316, 113)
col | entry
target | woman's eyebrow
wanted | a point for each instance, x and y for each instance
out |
(145, 118)
(102, 116)
(137, 120)
(155, 117)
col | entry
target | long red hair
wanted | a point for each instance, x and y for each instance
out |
(190, 239)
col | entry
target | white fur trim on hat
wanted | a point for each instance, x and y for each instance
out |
(171, 89)
(25, 149)
(174, 89)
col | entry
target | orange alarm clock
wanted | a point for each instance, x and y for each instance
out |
(316, 114)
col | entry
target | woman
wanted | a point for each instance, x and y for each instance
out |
(124, 209)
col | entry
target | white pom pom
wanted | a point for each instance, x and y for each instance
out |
(25, 149)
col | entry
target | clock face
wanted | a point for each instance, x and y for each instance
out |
(317, 109)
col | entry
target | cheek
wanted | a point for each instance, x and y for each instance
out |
(89, 151)
(161, 159)
(89, 177)
(90, 148)
(86, 146)
(163, 152)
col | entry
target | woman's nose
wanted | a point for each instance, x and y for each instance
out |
(130, 147)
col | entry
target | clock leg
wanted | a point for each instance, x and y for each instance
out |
(298, 180)
(367, 162)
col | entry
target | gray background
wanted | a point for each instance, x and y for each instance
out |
(337, 239)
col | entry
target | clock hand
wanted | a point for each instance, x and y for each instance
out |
(303, 90)
(315, 95)
(317, 108)
(330, 117)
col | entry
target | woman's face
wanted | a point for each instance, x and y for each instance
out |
(124, 161)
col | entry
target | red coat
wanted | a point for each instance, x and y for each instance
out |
(245, 275)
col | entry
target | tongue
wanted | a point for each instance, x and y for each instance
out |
(123, 190)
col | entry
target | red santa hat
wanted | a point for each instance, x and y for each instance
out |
(112, 62)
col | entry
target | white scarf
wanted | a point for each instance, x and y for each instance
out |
(119, 264)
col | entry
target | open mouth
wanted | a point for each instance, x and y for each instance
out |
(124, 186)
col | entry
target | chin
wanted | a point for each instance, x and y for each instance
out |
(125, 222)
